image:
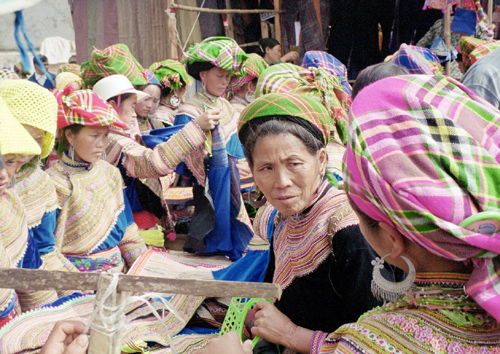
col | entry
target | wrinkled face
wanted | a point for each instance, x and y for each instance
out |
(147, 105)
(37, 134)
(89, 143)
(39, 71)
(273, 54)
(286, 172)
(216, 80)
(8, 170)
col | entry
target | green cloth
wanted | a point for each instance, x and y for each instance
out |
(171, 73)
(251, 69)
(113, 60)
(287, 104)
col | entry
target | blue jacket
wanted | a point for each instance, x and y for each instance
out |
(47, 84)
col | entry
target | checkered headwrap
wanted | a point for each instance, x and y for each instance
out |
(417, 60)
(315, 58)
(171, 73)
(251, 69)
(474, 49)
(423, 155)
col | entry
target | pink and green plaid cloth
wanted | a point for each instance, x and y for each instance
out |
(423, 155)
(474, 49)
(113, 60)
(251, 69)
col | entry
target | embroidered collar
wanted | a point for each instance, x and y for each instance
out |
(25, 171)
(241, 100)
(75, 165)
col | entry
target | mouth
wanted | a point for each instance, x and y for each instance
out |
(285, 199)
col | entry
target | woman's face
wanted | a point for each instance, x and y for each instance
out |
(89, 143)
(216, 80)
(7, 172)
(127, 109)
(37, 134)
(286, 172)
(145, 106)
(273, 54)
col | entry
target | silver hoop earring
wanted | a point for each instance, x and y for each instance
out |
(203, 86)
(104, 155)
(71, 153)
(175, 101)
(388, 291)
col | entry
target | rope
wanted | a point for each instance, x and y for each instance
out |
(117, 320)
(192, 28)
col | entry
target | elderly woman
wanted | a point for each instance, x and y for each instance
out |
(316, 243)
(174, 80)
(427, 200)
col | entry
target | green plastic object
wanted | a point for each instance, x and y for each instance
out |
(236, 314)
(484, 222)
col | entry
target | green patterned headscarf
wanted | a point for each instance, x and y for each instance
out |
(222, 52)
(113, 60)
(307, 112)
(251, 69)
(171, 73)
(316, 83)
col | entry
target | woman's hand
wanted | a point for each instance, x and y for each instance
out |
(272, 325)
(67, 337)
(290, 56)
(209, 119)
(229, 343)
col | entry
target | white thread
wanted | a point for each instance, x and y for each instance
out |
(116, 320)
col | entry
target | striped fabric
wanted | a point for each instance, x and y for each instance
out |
(222, 52)
(6, 74)
(115, 59)
(316, 58)
(474, 49)
(417, 60)
(423, 155)
(71, 68)
(251, 69)
(302, 242)
(409, 330)
(151, 77)
(316, 83)
(171, 73)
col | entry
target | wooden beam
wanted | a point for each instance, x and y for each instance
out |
(277, 22)
(30, 279)
(171, 33)
(490, 11)
(230, 27)
(249, 44)
(174, 6)
(447, 35)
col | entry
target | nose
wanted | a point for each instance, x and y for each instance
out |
(3, 175)
(282, 179)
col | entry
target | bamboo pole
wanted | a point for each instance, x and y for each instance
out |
(490, 11)
(277, 21)
(171, 33)
(230, 27)
(447, 35)
(174, 6)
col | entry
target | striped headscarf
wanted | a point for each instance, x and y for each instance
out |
(115, 59)
(70, 68)
(85, 107)
(251, 69)
(424, 155)
(316, 83)
(474, 49)
(222, 52)
(417, 60)
(171, 74)
(308, 112)
(151, 77)
(316, 58)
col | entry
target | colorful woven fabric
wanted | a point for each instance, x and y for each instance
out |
(7, 74)
(287, 104)
(70, 68)
(85, 107)
(32, 105)
(474, 49)
(64, 79)
(438, 164)
(251, 69)
(171, 73)
(317, 84)
(115, 59)
(151, 77)
(417, 60)
(316, 58)
(14, 139)
(222, 52)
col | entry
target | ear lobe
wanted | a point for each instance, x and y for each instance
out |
(322, 160)
(69, 136)
(112, 103)
(396, 241)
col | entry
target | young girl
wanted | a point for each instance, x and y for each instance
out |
(147, 106)
(95, 227)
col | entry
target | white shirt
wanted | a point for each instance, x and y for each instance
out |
(40, 78)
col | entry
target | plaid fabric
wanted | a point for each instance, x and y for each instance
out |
(151, 77)
(417, 60)
(84, 107)
(70, 68)
(316, 58)
(474, 49)
(251, 68)
(423, 155)
(222, 52)
(7, 74)
(171, 74)
(286, 104)
(316, 83)
(115, 59)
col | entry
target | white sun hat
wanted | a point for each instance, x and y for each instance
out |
(116, 85)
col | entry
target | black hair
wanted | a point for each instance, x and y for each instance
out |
(43, 59)
(276, 125)
(165, 91)
(371, 223)
(376, 72)
(197, 67)
(64, 144)
(266, 43)
(124, 96)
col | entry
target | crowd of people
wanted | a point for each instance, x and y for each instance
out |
(377, 204)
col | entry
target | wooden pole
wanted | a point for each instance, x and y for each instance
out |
(277, 21)
(490, 11)
(230, 27)
(173, 53)
(103, 341)
(218, 11)
(35, 279)
(447, 35)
